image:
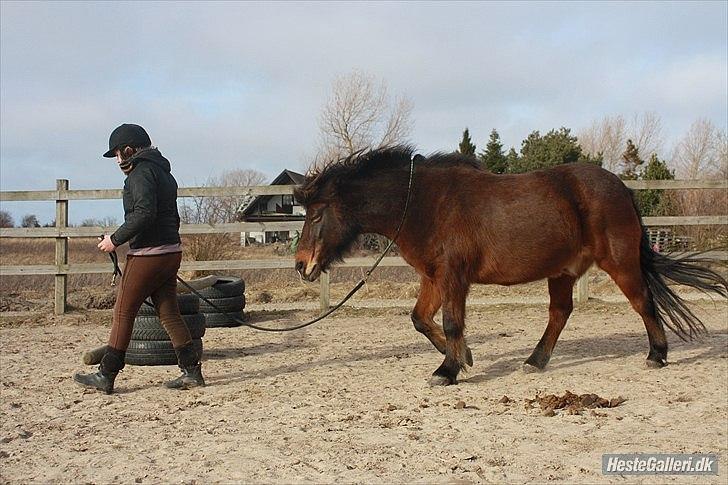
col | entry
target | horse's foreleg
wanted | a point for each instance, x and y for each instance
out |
(457, 353)
(428, 302)
(560, 292)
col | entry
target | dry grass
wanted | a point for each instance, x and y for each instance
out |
(706, 202)
(262, 286)
(34, 251)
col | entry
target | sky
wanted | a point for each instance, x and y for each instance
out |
(222, 86)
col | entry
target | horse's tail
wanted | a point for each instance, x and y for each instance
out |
(689, 270)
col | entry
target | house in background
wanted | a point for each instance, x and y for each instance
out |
(272, 208)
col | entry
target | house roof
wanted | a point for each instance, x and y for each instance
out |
(286, 177)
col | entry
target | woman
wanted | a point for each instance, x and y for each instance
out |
(151, 227)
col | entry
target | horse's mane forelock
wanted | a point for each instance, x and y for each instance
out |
(369, 161)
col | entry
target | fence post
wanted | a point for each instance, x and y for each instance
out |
(61, 287)
(325, 291)
(582, 288)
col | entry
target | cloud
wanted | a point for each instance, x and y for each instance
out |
(221, 85)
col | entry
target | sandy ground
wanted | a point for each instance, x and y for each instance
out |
(347, 401)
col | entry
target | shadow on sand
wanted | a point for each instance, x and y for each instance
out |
(568, 354)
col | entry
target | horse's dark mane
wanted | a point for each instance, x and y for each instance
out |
(398, 156)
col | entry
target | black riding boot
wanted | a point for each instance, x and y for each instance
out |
(189, 362)
(103, 380)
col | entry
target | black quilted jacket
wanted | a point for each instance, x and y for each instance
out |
(150, 203)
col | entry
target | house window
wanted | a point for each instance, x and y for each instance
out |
(287, 204)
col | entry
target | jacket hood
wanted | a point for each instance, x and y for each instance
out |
(152, 155)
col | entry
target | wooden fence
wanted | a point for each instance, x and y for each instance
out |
(61, 232)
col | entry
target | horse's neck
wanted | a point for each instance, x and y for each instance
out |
(378, 202)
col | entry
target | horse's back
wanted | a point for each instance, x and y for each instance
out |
(549, 222)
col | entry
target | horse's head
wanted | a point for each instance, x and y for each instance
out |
(329, 229)
(364, 192)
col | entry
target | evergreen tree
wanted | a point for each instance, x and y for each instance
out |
(631, 160)
(493, 157)
(467, 147)
(512, 160)
(653, 202)
(554, 148)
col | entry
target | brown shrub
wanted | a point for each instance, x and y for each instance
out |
(707, 202)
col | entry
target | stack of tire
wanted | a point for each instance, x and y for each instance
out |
(150, 343)
(228, 297)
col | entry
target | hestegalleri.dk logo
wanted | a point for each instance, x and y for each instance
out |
(660, 464)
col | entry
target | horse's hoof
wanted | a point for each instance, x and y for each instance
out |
(531, 369)
(655, 364)
(437, 380)
(468, 356)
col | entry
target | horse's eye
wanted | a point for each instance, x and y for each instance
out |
(316, 219)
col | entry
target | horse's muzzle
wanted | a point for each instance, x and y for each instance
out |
(310, 271)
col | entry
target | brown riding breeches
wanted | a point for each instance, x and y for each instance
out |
(145, 276)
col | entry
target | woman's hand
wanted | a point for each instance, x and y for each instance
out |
(106, 245)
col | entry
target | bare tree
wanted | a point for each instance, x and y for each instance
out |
(646, 132)
(107, 221)
(722, 146)
(701, 154)
(226, 208)
(214, 210)
(609, 136)
(399, 123)
(6, 220)
(360, 115)
(30, 220)
(698, 153)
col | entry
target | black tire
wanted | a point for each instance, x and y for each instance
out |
(222, 320)
(230, 304)
(147, 310)
(150, 328)
(188, 304)
(155, 352)
(224, 288)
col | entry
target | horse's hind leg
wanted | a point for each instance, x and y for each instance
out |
(453, 323)
(628, 277)
(560, 307)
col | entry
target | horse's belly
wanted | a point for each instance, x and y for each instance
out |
(525, 267)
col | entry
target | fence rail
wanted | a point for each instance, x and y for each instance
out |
(100, 194)
(234, 227)
(93, 231)
(62, 233)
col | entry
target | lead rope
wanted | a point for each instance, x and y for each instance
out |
(117, 271)
(331, 310)
(115, 262)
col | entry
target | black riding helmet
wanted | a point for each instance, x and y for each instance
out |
(127, 135)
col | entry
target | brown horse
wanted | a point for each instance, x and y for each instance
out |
(465, 225)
